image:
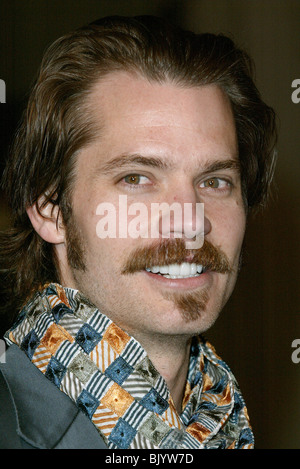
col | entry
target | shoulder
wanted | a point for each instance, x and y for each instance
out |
(35, 413)
(9, 438)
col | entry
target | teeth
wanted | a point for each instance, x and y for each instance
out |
(174, 269)
(185, 269)
(177, 270)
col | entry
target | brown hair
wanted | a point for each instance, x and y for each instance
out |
(55, 125)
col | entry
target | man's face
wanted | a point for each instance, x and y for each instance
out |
(158, 143)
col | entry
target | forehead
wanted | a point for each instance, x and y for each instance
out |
(120, 93)
(135, 115)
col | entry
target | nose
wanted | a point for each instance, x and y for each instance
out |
(184, 217)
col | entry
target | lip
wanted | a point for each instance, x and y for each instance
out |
(203, 280)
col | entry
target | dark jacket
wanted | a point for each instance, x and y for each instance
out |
(34, 413)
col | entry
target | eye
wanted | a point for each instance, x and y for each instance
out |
(136, 179)
(215, 183)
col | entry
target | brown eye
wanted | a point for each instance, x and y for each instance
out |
(132, 179)
(217, 184)
(214, 183)
(136, 180)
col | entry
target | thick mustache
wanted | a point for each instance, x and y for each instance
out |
(173, 251)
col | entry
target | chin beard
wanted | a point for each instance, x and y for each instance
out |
(190, 305)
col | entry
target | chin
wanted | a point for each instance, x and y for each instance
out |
(186, 322)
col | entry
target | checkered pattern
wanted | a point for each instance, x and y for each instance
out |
(109, 376)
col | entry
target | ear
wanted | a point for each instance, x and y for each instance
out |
(47, 222)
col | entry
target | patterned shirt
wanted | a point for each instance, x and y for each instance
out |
(109, 376)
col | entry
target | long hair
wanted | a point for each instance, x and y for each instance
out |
(56, 124)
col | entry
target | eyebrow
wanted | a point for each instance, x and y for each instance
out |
(126, 160)
(232, 164)
(135, 159)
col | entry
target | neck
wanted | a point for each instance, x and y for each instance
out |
(170, 356)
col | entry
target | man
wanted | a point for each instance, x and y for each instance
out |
(107, 350)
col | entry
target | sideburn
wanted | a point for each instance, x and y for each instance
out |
(75, 252)
(74, 240)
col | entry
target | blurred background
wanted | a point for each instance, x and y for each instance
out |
(255, 331)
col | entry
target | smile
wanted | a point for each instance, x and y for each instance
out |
(175, 271)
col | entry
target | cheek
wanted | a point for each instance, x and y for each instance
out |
(228, 228)
(107, 257)
(236, 233)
